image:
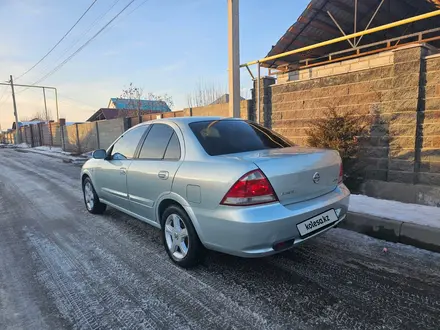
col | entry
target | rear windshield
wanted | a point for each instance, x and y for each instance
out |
(221, 137)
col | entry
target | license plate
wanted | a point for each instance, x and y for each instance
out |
(315, 223)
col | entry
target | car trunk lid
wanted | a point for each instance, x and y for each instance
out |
(297, 173)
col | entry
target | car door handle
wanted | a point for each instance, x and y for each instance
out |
(123, 171)
(163, 175)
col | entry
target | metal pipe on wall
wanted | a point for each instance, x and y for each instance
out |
(347, 37)
(56, 103)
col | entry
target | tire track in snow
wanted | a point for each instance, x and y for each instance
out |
(340, 280)
(216, 312)
(188, 300)
(64, 258)
(54, 271)
(57, 274)
(21, 305)
(388, 299)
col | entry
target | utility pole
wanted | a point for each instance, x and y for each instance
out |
(45, 105)
(47, 117)
(17, 130)
(234, 58)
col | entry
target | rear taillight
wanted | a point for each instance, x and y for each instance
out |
(251, 189)
(341, 174)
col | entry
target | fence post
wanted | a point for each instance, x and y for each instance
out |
(32, 137)
(40, 134)
(25, 134)
(77, 140)
(126, 123)
(62, 122)
(97, 135)
(50, 133)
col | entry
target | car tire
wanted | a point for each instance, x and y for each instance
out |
(180, 239)
(91, 199)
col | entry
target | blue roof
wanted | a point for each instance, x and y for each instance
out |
(27, 123)
(128, 104)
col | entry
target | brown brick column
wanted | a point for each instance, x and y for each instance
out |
(430, 126)
(404, 109)
(265, 100)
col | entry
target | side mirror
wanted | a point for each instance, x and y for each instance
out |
(99, 154)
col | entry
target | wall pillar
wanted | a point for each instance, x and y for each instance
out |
(405, 108)
(265, 100)
(62, 122)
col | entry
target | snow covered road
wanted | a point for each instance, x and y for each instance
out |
(62, 268)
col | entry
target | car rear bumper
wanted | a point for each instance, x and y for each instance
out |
(257, 231)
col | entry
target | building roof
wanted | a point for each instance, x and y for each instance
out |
(27, 123)
(107, 114)
(127, 104)
(224, 99)
(315, 25)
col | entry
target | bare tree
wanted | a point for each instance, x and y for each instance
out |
(39, 116)
(135, 96)
(165, 98)
(204, 94)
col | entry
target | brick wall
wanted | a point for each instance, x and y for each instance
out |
(368, 93)
(70, 138)
(430, 124)
(109, 131)
(56, 134)
(221, 110)
(87, 137)
(357, 64)
(46, 134)
(398, 90)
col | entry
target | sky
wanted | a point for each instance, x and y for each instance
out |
(163, 46)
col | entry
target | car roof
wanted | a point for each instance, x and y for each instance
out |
(188, 120)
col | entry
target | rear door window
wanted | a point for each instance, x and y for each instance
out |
(156, 143)
(221, 137)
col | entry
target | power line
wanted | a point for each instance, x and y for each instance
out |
(3, 94)
(5, 100)
(75, 100)
(59, 66)
(96, 21)
(65, 35)
(140, 5)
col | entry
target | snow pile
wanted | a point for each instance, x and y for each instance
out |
(56, 150)
(22, 145)
(59, 153)
(87, 154)
(413, 213)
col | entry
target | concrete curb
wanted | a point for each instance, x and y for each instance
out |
(420, 236)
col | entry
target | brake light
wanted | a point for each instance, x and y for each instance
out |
(341, 174)
(251, 189)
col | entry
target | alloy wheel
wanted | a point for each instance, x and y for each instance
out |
(89, 196)
(176, 236)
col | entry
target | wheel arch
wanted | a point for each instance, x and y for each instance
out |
(86, 174)
(175, 199)
(83, 177)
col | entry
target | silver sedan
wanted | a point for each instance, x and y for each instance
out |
(223, 184)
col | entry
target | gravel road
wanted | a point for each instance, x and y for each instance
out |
(62, 268)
